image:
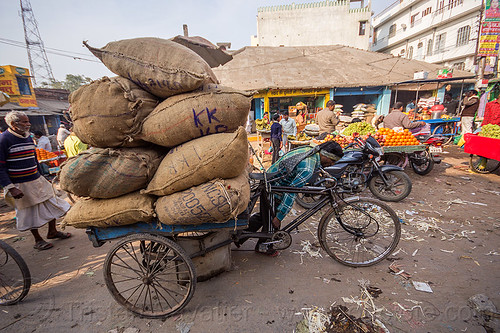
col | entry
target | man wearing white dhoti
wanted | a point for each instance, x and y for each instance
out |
(34, 199)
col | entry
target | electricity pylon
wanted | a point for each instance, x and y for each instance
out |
(39, 63)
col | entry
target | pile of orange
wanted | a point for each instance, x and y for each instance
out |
(42, 154)
(403, 138)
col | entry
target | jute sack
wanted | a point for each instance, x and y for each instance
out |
(160, 66)
(108, 173)
(127, 209)
(109, 112)
(195, 162)
(215, 201)
(209, 110)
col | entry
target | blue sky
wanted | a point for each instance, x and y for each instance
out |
(64, 24)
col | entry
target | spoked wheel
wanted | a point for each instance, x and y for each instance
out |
(398, 186)
(150, 275)
(446, 132)
(15, 277)
(422, 162)
(482, 164)
(359, 232)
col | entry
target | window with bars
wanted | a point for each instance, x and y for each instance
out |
(362, 28)
(463, 35)
(375, 33)
(392, 30)
(454, 3)
(410, 52)
(413, 20)
(429, 47)
(439, 45)
(427, 11)
(459, 65)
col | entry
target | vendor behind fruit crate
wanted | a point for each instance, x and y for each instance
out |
(32, 195)
(327, 119)
(396, 118)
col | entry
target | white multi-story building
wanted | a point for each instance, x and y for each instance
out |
(443, 32)
(311, 24)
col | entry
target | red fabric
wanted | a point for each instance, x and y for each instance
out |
(482, 146)
(492, 113)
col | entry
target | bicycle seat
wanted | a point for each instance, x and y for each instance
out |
(260, 175)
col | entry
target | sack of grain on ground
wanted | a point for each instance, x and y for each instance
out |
(109, 112)
(127, 209)
(209, 110)
(160, 66)
(215, 201)
(223, 155)
(110, 172)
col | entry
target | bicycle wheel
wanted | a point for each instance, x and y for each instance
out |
(483, 165)
(359, 232)
(398, 186)
(150, 275)
(15, 277)
(447, 132)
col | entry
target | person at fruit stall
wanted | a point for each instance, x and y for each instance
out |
(42, 142)
(450, 104)
(470, 106)
(62, 134)
(328, 119)
(31, 194)
(492, 112)
(276, 133)
(397, 119)
(73, 145)
(300, 119)
(411, 106)
(289, 127)
(309, 159)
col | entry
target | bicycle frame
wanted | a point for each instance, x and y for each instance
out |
(328, 196)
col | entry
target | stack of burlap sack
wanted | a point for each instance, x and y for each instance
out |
(167, 140)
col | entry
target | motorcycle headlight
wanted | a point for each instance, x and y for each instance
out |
(380, 151)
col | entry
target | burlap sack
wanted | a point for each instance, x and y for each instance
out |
(128, 209)
(215, 201)
(160, 66)
(195, 162)
(109, 112)
(109, 173)
(210, 110)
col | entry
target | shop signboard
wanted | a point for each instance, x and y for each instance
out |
(15, 81)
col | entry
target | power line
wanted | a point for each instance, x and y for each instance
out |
(48, 50)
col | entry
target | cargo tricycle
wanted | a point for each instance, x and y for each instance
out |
(151, 275)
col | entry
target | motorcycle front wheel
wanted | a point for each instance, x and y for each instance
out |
(421, 162)
(307, 200)
(398, 186)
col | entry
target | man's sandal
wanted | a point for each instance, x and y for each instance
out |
(43, 245)
(60, 235)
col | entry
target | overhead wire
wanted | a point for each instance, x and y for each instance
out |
(50, 50)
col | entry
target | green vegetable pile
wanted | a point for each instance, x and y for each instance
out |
(362, 128)
(490, 131)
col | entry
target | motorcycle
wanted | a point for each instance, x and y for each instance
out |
(423, 161)
(359, 169)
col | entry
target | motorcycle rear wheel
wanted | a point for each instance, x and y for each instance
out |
(307, 200)
(424, 167)
(399, 186)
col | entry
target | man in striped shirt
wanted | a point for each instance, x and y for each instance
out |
(32, 195)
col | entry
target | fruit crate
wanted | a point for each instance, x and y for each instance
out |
(482, 146)
(403, 149)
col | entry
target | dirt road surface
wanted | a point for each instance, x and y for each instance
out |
(450, 241)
